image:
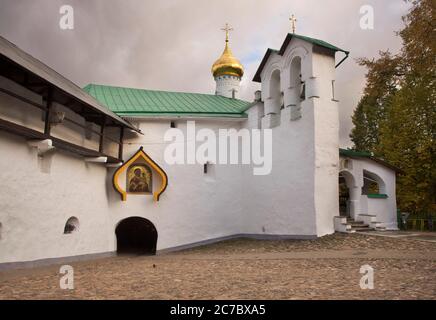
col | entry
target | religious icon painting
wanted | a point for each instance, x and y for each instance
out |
(139, 173)
(139, 177)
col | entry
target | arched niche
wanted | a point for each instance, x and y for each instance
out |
(275, 93)
(297, 88)
(141, 166)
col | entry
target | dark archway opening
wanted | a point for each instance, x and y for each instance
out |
(344, 197)
(136, 235)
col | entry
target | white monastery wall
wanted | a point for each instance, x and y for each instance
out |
(282, 203)
(38, 195)
(195, 206)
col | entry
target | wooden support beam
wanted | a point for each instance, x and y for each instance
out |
(16, 96)
(69, 102)
(47, 126)
(120, 145)
(20, 130)
(102, 129)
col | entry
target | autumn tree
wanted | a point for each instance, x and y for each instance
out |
(382, 80)
(396, 117)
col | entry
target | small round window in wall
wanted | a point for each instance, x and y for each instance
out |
(71, 226)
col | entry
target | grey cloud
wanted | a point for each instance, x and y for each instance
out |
(171, 44)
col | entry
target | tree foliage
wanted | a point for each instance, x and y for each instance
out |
(396, 117)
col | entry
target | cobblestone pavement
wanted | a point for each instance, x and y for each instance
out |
(325, 268)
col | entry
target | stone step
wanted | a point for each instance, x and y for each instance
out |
(358, 224)
(362, 229)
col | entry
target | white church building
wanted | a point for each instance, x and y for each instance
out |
(84, 172)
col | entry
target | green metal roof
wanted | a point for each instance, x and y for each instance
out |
(318, 42)
(285, 45)
(355, 153)
(140, 102)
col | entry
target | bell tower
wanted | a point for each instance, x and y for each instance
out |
(227, 71)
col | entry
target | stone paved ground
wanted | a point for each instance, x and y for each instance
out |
(326, 268)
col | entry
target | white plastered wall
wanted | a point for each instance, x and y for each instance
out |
(38, 195)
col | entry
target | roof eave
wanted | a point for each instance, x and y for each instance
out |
(368, 155)
(15, 56)
(182, 114)
(257, 77)
(282, 50)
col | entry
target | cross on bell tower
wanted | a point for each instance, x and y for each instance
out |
(293, 23)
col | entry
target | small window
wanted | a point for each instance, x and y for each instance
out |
(172, 124)
(372, 184)
(71, 226)
(209, 172)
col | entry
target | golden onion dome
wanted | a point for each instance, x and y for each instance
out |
(227, 64)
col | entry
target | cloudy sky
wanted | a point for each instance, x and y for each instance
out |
(171, 44)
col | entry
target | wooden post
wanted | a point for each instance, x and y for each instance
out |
(102, 129)
(47, 126)
(120, 146)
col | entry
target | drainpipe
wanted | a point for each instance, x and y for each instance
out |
(346, 56)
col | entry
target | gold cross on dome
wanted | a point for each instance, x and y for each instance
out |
(227, 29)
(293, 23)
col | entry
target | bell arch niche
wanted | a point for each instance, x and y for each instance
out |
(137, 177)
(275, 92)
(297, 88)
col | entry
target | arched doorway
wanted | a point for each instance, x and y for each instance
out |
(346, 188)
(344, 197)
(136, 235)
